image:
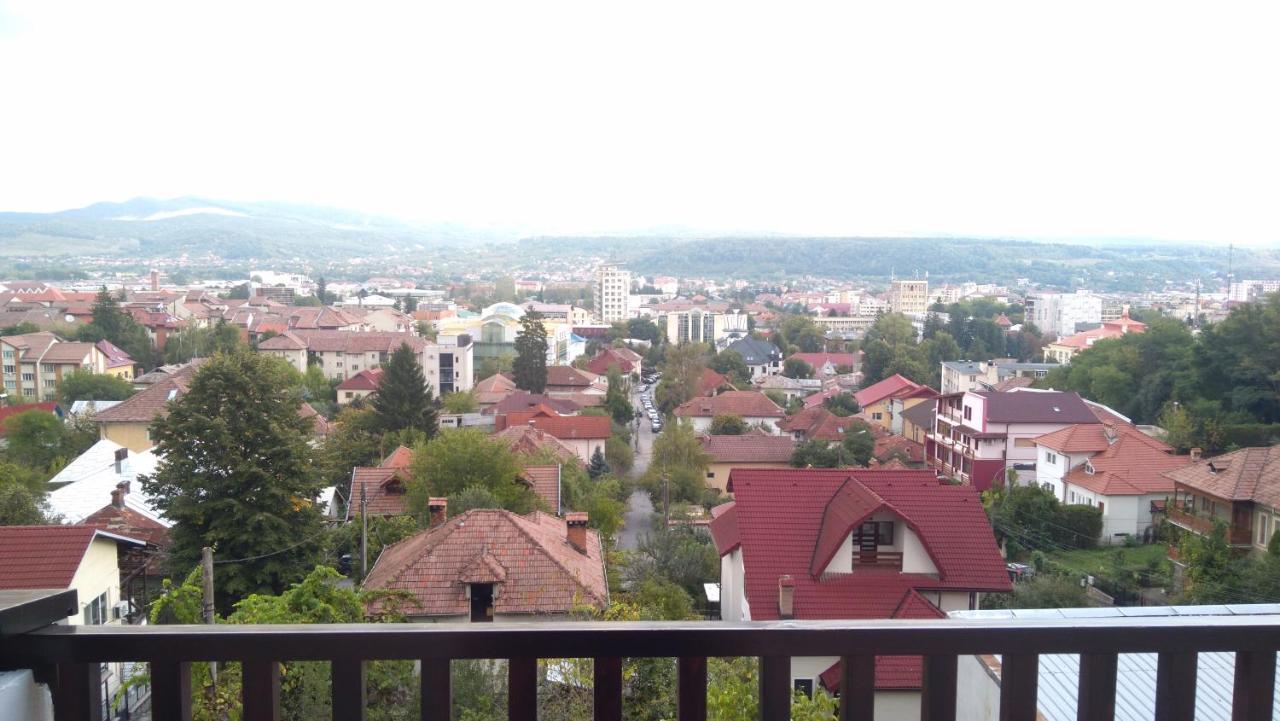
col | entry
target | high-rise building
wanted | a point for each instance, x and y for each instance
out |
(1060, 313)
(613, 285)
(909, 296)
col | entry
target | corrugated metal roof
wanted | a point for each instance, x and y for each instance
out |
(1059, 680)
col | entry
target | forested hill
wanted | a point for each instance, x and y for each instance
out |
(1117, 266)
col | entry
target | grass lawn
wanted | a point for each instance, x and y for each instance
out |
(1097, 561)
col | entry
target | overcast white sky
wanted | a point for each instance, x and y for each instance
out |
(1025, 118)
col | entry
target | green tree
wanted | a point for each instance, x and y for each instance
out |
(800, 333)
(815, 454)
(452, 462)
(889, 347)
(679, 453)
(84, 385)
(41, 441)
(842, 404)
(316, 388)
(403, 399)
(237, 475)
(859, 442)
(459, 402)
(618, 454)
(681, 370)
(195, 342)
(616, 400)
(471, 498)
(22, 501)
(1045, 590)
(729, 363)
(728, 425)
(530, 365)
(598, 465)
(796, 368)
(355, 439)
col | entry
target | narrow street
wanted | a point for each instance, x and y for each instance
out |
(639, 508)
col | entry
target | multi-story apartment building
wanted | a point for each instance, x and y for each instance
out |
(978, 435)
(1060, 313)
(909, 296)
(1248, 291)
(446, 363)
(613, 285)
(698, 325)
(33, 364)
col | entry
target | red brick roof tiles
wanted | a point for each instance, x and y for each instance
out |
(749, 448)
(545, 482)
(569, 377)
(1249, 474)
(365, 380)
(529, 441)
(528, 558)
(710, 381)
(747, 404)
(568, 428)
(151, 403)
(44, 556)
(894, 386)
(384, 492)
(401, 457)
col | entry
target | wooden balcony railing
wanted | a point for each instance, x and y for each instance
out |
(73, 652)
(878, 558)
(1203, 524)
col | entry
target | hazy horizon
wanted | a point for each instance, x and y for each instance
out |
(1095, 123)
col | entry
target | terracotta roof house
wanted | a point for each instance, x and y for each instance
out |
(827, 365)
(494, 565)
(710, 382)
(980, 434)
(626, 360)
(523, 401)
(359, 386)
(817, 544)
(544, 480)
(1064, 349)
(814, 424)
(762, 357)
(117, 362)
(319, 425)
(885, 401)
(77, 557)
(583, 434)
(490, 391)
(753, 407)
(401, 457)
(750, 450)
(128, 423)
(527, 440)
(1241, 489)
(567, 380)
(381, 489)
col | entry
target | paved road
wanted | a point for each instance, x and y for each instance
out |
(636, 520)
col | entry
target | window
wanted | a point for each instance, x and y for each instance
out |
(711, 474)
(28, 376)
(350, 394)
(1102, 507)
(481, 602)
(8, 355)
(48, 367)
(1051, 458)
(95, 612)
(804, 686)
(968, 413)
(1263, 529)
(876, 416)
(9, 369)
(1047, 486)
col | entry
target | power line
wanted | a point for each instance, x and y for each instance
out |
(219, 561)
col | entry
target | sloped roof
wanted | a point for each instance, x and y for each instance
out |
(384, 491)
(709, 381)
(920, 414)
(749, 448)
(526, 440)
(724, 528)
(529, 557)
(817, 360)
(755, 352)
(545, 482)
(524, 400)
(1249, 474)
(893, 386)
(86, 483)
(67, 353)
(894, 672)
(116, 357)
(1028, 406)
(365, 380)
(731, 403)
(816, 424)
(624, 358)
(130, 523)
(1133, 465)
(46, 556)
(1080, 438)
(569, 377)
(780, 515)
(568, 428)
(150, 403)
(401, 457)
(285, 341)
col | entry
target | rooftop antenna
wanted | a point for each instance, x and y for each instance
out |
(1231, 276)
(1195, 312)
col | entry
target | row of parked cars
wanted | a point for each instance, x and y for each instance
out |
(646, 399)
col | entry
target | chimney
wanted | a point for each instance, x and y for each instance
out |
(123, 487)
(576, 530)
(117, 497)
(155, 279)
(438, 510)
(786, 597)
(121, 454)
(1195, 454)
(1109, 432)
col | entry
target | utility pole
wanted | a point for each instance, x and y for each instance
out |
(666, 501)
(364, 535)
(206, 577)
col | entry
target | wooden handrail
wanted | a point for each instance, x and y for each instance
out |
(76, 650)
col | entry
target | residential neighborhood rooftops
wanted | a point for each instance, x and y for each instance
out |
(1029, 406)
(921, 415)
(527, 440)
(366, 380)
(1133, 464)
(731, 403)
(895, 386)
(1249, 474)
(152, 402)
(755, 352)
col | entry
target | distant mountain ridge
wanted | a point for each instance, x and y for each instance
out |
(198, 226)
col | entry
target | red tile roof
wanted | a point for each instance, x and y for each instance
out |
(1009, 384)
(153, 402)
(129, 523)
(624, 358)
(724, 528)
(401, 457)
(524, 400)
(384, 492)
(891, 446)
(365, 380)
(568, 428)
(1079, 438)
(569, 377)
(529, 559)
(1134, 465)
(45, 556)
(747, 404)
(815, 424)
(894, 672)
(1107, 331)
(710, 381)
(818, 360)
(1249, 474)
(780, 513)
(116, 357)
(528, 441)
(545, 482)
(319, 424)
(749, 448)
(894, 386)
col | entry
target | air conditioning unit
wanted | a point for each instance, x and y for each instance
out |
(121, 610)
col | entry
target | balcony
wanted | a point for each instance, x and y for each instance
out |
(1179, 515)
(879, 559)
(68, 656)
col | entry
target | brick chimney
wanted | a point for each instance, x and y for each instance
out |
(786, 597)
(1195, 454)
(576, 530)
(438, 508)
(117, 497)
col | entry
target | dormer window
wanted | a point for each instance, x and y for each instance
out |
(1088, 468)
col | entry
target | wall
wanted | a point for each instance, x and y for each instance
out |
(296, 358)
(733, 604)
(22, 699)
(133, 436)
(718, 473)
(905, 541)
(585, 447)
(978, 690)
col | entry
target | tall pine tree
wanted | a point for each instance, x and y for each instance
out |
(530, 366)
(403, 400)
(237, 475)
